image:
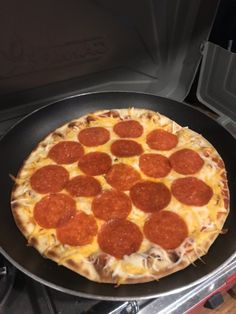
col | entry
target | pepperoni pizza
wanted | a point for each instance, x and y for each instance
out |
(123, 196)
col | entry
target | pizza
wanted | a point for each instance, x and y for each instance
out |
(122, 196)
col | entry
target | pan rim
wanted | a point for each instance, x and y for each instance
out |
(106, 93)
(114, 298)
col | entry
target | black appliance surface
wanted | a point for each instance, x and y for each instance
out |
(21, 139)
(151, 46)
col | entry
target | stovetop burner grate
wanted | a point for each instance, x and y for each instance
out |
(7, 278)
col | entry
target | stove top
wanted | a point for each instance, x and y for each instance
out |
(21, 294)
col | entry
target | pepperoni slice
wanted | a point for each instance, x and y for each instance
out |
(66, 152)
(119, 237)
(150, 196)
(161, 140)
(94, 136)
(126, 148)
(49, 179)
(80, 230)
(154, 165)
(166, 229)
(191, 191)
(122, 177)
(83, 186)
(128, 128)
(111, 204)
(54, 210)
(186, 161)
(95, 163)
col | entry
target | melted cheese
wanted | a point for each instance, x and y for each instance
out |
(89, 249)
(138, 217)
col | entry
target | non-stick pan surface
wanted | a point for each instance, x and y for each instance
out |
(23, 137)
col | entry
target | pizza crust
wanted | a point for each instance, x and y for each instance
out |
(142, 266)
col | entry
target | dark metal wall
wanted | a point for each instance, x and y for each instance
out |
(147, 46)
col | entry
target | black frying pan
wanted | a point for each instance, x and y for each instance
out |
(23, 137)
